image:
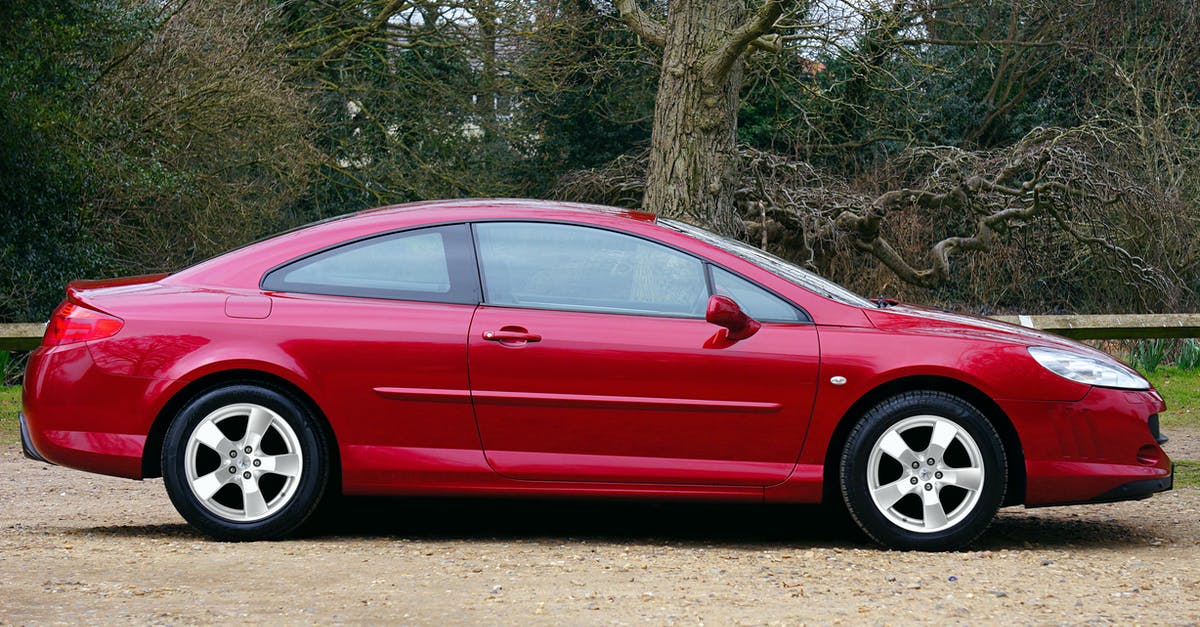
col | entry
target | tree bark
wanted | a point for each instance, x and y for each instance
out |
(693, 147)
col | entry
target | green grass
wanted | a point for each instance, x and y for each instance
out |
(1181, 390)
(10, 404)
(1187, 474)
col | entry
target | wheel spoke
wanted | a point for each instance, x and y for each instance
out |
(209, 435)
(206, 486)
(943, 436)
(965, 478)
(254, 503)
(887, 496)
(287, 465)
(896, 448)
(256, 426)
(244, 455)
(935, 514)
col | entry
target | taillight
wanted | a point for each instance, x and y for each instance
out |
(73, 323)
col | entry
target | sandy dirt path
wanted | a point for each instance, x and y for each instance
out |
(78, 548)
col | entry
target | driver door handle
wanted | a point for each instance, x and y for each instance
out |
(511, 336)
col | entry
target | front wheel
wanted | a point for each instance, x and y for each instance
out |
(245, 463)
(925, 471)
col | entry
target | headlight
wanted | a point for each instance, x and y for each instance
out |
(1088, 370)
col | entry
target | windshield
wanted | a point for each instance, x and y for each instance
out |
(773, 264)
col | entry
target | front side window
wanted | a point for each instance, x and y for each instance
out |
(430, 264)
(562, 266)
(773, 264)
(754, 300)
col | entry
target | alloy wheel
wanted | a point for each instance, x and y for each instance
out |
(243, 462)
(925, 473)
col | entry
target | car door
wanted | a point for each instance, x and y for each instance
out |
(590, 360)
(380, 325)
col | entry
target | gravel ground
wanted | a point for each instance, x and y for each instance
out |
(1184, 442)
(78, 548)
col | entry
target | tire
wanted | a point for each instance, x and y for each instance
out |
(244, 462)
(938, 506)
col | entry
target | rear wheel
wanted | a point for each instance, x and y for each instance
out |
(923, 470)
(245, 463)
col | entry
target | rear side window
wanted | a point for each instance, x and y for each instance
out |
(571, 267)
(431, 264)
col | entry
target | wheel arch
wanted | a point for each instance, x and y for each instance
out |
(1013, 452)
(152, 452)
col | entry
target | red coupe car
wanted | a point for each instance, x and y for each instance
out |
(512, 347)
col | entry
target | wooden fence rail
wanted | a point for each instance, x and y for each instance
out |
(27, 335)
(1113, 326)
(21, 336)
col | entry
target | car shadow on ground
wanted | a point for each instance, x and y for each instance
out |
(686, 523)
(749, 526)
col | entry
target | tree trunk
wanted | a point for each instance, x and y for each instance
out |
(485, 102)
(693, 152)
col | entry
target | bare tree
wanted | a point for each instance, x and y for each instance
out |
(201, 137)
(693, 161)
(1062, 184)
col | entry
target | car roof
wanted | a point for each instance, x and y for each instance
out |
(243, 268)
(504, 207)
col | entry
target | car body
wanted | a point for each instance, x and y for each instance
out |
(512, 347)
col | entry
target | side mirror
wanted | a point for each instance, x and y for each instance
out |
(724, 311)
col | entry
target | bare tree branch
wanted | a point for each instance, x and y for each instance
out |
(351, 37)
(646, 27)
(718, 63)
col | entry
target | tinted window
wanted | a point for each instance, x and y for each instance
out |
(432, 264)
(754, 300)
(560, 266)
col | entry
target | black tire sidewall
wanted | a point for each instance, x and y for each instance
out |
(314, 476)
(855, 459)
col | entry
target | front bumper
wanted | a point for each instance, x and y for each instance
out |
(27, 443)
(1137, 490)
(1132, 491)
(1105, 447)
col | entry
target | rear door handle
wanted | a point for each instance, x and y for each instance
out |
(508, 336)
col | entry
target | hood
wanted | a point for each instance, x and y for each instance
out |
(925, 321)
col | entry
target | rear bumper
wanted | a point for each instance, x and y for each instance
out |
(75, 414)
(27, 443)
